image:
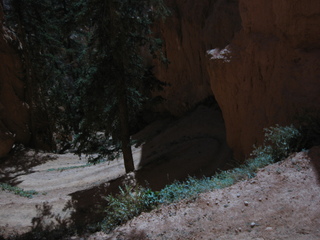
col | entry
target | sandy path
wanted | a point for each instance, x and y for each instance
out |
(169, 149)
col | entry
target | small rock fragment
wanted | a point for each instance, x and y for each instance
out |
(246, 203)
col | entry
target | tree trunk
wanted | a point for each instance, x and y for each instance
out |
(124, 131)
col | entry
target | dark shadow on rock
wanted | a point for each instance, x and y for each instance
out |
(314, 154)
(20, 163)
(194, 145)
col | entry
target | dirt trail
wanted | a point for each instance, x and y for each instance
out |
(281, 202)
(168, 150)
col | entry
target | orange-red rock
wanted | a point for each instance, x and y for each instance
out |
(272, 71)
(192, 29)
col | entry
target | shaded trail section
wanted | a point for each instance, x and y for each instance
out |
(166, 150)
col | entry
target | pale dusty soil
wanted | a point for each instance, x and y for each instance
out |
(281, 202)
(168, 150)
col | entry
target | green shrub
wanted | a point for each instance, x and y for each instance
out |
(282, 140)
(130, 202)
(278, 143)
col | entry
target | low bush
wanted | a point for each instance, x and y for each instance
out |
(130, 202)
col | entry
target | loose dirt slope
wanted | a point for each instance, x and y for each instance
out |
(281, 202)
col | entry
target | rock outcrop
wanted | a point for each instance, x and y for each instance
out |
(192, 29)
(13, 109)
(261, 73)
(272, 71)
(260, 59)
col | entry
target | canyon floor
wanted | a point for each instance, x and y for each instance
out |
(281, 202)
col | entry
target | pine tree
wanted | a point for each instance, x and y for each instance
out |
(114, 92)
(84, 67)
(26, 18)
(51, 46)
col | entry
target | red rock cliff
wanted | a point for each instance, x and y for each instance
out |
(274, 69)
(194, 27)
(267, 73)
(13, 109)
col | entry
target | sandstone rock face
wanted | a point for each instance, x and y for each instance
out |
(261, 74)
(192, 28)
(272, 71)
(13, 109)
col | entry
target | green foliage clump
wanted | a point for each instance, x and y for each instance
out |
(130, 202)
(185, 190)
(282, 141)
(18, 191)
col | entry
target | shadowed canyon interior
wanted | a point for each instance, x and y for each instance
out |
(258, 58)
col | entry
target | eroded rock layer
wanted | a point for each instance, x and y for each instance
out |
(272, 71)
(192, 28)
(261, 73)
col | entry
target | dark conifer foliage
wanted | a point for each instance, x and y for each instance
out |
(84, 67)
(44, 29)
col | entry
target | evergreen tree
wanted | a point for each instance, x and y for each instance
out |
(114, 92)
(84, 67)
(49, 52)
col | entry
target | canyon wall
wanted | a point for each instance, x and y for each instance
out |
(261, 73)
(13, 110)
(272, 71)
(260, 59)
(192, 28)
